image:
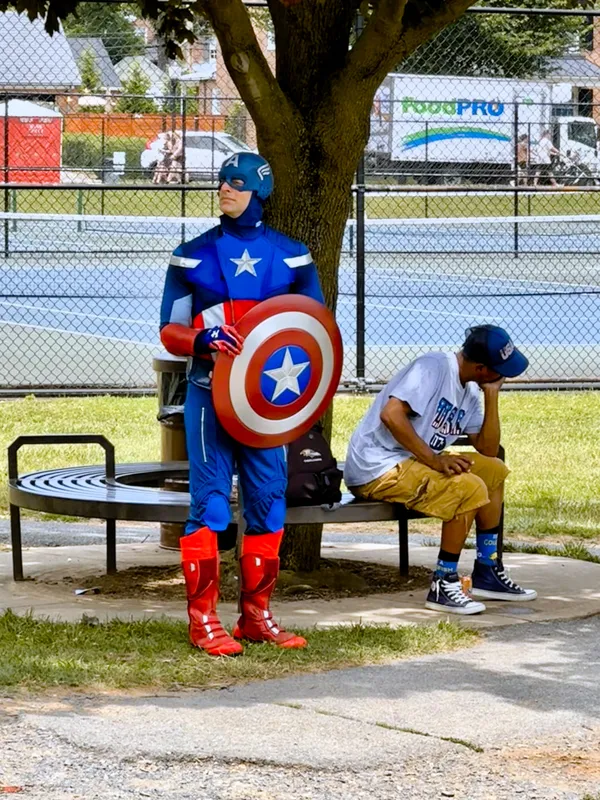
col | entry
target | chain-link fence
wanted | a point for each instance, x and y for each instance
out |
(478, 199)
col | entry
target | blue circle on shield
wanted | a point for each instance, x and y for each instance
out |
(285, 375)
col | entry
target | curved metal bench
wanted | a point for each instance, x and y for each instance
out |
(132, 492)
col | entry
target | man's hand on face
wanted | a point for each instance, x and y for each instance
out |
(494, 386)
(452, 464)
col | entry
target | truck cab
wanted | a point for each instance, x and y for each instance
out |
(576, 136)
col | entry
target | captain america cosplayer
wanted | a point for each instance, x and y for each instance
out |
(212, 281)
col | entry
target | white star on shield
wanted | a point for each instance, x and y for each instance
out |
(286, 376)
(245, 264)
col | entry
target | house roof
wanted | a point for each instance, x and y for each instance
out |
(108, 76)
(573, 67)
(25, 108)
(206, 71)
(32, 59)
(125, 66)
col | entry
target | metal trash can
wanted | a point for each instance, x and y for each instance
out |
(172, 386)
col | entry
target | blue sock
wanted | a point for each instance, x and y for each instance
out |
(487, 546)
(446, 563)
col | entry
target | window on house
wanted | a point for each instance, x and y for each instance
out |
(270, 40)
(585, 102)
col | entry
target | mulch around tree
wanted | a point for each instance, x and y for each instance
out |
(336, 578)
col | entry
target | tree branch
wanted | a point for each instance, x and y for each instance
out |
(419, 26)
(380, 34)
(270, 109)
(395, 29)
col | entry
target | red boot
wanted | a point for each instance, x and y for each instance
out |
(200, 563)
(259, 566)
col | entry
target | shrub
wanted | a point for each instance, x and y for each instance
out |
(84, 150)
(236, 121)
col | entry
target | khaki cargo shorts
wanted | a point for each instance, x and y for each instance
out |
(432, 493)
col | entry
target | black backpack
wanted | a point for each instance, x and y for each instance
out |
(313, 476)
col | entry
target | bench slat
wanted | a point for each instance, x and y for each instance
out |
(84, 492)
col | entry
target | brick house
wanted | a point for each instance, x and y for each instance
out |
(204, 67)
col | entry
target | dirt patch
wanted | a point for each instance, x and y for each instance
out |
(569, 763)
(336, 578)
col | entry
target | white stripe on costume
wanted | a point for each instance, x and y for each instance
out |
(187, 263)
(215, 315)
(181, 311)
(299, 261)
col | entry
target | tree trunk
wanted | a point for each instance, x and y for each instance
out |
(301, 548)
(312, 204)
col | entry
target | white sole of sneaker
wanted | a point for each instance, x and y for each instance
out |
(475, 608)
(515, 598)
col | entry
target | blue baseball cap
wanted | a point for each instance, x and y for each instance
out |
(493, 347)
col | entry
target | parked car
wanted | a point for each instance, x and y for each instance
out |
(204, 153)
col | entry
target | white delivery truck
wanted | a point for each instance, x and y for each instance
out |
(444, 128)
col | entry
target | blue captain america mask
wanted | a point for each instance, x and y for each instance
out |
(248, 172)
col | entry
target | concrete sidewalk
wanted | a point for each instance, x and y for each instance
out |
(517, 716)
(567, 589)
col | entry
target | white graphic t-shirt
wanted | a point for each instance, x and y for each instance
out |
(544, 151)
(443, 410)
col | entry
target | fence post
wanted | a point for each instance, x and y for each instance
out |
(427, 168)
(516, 173)
(103, 161)
(528, 168)
(13, 207)
(360, 247)
(80, 209)
(183, 141)
(212, 166)
(360, 269)
(6, 176)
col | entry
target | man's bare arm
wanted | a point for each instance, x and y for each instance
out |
(396, 418)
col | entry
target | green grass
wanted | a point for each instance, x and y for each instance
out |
(39, 654)
(130, 423)
(131, 202)
(550, 439)
(202, 203)
(575, 550)
(501, 205)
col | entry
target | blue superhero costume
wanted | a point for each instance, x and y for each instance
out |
(212, 281)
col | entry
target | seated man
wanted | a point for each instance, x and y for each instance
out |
(397, 454)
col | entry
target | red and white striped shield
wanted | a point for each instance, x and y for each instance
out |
(286, 375)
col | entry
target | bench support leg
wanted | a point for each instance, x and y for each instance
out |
(111, 546)
(17, 547)
(500, 547)
(403, 543)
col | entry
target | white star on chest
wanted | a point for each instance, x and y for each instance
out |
(286, 377)
(245, 264)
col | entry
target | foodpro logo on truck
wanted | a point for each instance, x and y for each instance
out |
(453, 108)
